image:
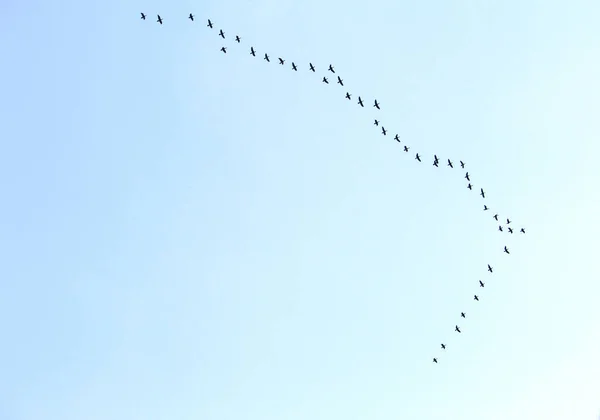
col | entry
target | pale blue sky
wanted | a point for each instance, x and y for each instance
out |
(192, 235)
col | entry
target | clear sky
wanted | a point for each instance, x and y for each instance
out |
(187, 234)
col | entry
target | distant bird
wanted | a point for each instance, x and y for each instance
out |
(312, 67)
(510, 230)
(443, 346)
(507, 221)
(252, 51)
(281, 61)
(143, 16)
(500, 228)
(435, 158)
(467, 176)
(397, 138)
(221, 33)
(159, 20)
(325, 80)
(376, 122)
(267, 58)
(482, 193)
(331, 69)
(496, 216)
(506, 250)
(490, 269)
(450, 163)
(522, 230)
(209, 24)
(294, 66)
(238, 39)
(224, 50)
(435, 360)
(435, 163)
(340, 81)
(360, 102)
(462, 165)
(485, 207)
(469, 186)
(456, 328)
(191, 17)
(406, 148)
(463, 314)
(476, 298)
(383, 130)
(481, 284)
(348, 96)
(376, 104)
(417, 156)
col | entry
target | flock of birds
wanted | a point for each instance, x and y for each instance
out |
(376, 104)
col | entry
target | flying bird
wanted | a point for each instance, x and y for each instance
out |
(485, 207)
(482, 193)
(209, 24)
(506, 250)
(467, 176)
(435, 360)
(325, 80)
(443, 346)
(252, 51)
(406, 148)
(340, 81)
(376, 122)
(238, 39)
(476, 298)
(522, 230)
(224, 50)
(397, 138)
(360, 102)
(281, 61)
(267, 58)
(159, 20)
(191, 17)
(490, 269)
(294, 66)
(456, 328)
(348, 96)
(450, 163)
(143, 16)
(500, 228)
(331, 69)
(417, 156)
(462, 165)
(383, 130)
(469, 186)
(221, 33)
(376, 104)
(481, 284)
(510, 230)
(312, 67)
(507, 221)
(463, 314)
(496, 216)
(435, 163)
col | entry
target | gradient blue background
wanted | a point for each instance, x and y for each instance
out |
(187, 234)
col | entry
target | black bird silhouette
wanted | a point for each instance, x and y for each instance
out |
(485, 207)
(476, 298)
(331, 69)
(450, 163)
(360, 102)
(490, 269)
(376, 104)
(397, 138)
(482, 193)
(435, 163)
(238, 39)
(463, 314)
(312, 67)
(340, 81)
(143, 16)
(281, 61)
(376, 122)
(191, 17)
(456, 328)
(209, 24)
(406, 148)
(159, 20)
(383, 130)
(506, 250)
(417, 156)
(469, 186)
(348, 96)
(435, 360)
(325, 80)
(294, 66)
(510, 230)
(507, 221)
(500, 228)
(267, 58)
(252, 51)
(467, 176)
(224, 50)
(481, 284)
(496, 216)
(221, 33)
(462, 165)
(443, 346)
(436, 158)
(522, 230)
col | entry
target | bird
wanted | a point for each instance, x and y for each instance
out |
(476, 298)
(191, 17)
(376, 122)
(331, 69)
(482, 193)
(506, 250)
(481, 284)
(383, 131)
(267, 58)
(490, 269)
(397, 138)
(159, 20)
(252, 51)
(522, 230)
(325, 80)
(469, 186)
(467, 176)
(435, 163)
(462, 314)
(281, 61)
(209, 24)
(376, 104)
(221, 33)
(462, 165)
(238, 39)
(435, 360)
(510, 230)
(294, 66)
(496, 216)
(143, 17)
(224, 50)
(312, 67)
(507, 221)
(500, 228)
(456, 328)
(443, 346)
(485, 207)
(348, 96)
(450, 163)
(417, 157)
(340, 81)
(406, 148)
(360, 102)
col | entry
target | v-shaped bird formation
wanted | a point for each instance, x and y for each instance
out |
(336, 78)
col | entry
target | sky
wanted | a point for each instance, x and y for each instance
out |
(196, 235)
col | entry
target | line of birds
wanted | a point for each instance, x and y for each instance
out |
(376, 123)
